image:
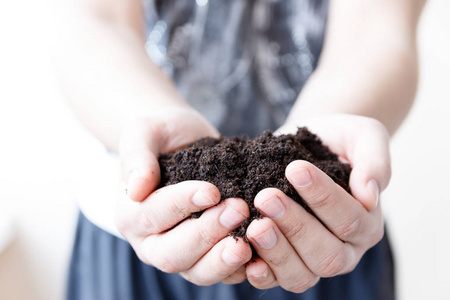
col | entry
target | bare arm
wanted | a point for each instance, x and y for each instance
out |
(129, 104)
(369, 62)
(368, 69)
(105, 71)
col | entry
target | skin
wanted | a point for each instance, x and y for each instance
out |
(370, 86)
(289, 238)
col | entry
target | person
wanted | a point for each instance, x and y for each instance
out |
(149, 77)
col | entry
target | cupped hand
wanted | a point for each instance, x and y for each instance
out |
(295, 249)
(156, 223)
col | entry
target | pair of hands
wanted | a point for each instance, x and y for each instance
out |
(295, 249)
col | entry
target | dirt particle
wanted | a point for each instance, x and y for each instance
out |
(241, 167)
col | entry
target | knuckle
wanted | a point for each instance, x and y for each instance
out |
(124, 223)
(149, 224)
(141, 257)
(320, 200)
(234, 278)
(139, 248)
(164, 264)
(350, 267)
(207, 239)
(333, 264)
(200, 281)
(295, 231)
(220, 273)
(279, 260)
(349, 230)
(377, 236)
(303, 285)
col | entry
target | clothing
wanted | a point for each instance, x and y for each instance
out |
(242, 64)
(105, 267)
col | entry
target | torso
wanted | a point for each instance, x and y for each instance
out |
(240, 63)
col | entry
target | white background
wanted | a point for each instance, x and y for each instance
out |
(40, 143)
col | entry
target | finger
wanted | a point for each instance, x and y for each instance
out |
(365, 146)
(237, 277)
(169, 205)
(322, 252)
(143, 175)
(371, 164)
(224, 259)
(260, 275)
(139, 150)
(337, 209)
(271, 245)
(181, 247)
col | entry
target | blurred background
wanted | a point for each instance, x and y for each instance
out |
(41, 146)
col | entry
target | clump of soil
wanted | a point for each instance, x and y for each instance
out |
(241, 167)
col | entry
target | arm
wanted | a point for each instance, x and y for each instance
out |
(104, 69)
(129, 104)
(368, 71)
(368, 65)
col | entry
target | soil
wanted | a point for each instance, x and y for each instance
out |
(241, 167)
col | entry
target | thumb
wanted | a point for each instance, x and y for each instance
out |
(371, 163)
(139, 150)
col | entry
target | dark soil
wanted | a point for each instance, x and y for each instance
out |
(241, 167)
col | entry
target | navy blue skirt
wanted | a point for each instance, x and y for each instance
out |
(104, 267)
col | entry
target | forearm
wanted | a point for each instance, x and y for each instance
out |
(108, 77)
(382, 87)
(369, 62)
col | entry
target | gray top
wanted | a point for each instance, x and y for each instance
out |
(241, 63)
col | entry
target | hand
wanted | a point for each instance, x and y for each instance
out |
(155, 223)
(296, 249)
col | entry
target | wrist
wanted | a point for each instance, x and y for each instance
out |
(145, 109)
(170, 126)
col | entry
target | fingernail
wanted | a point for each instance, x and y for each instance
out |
(230, 258)
(300, 177)
(273, 208)
(201, 199)
(231, 218)
(267, 239)
(372, 185)
(262, 275)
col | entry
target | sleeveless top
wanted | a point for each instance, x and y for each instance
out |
(240, 63)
